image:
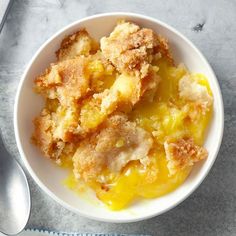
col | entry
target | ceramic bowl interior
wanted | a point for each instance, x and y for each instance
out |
(50, 177)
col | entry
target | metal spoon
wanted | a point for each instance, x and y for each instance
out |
(15, 200)
(5, 6)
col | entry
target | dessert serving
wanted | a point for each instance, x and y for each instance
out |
(121, 115)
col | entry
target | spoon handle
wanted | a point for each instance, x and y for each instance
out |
(5, 6)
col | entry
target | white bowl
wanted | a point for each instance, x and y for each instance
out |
(49, 176)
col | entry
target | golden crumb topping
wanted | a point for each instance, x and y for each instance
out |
(117, 114)
(118, 142)
(43, 133)
(130, 48)
(192, 91)
(183, 153)
(67, 81)
(79, 43)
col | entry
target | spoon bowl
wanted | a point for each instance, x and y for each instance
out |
(14, 194)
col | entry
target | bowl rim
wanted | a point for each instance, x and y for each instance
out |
(54, 196)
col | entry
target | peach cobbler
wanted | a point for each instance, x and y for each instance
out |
(120, 115)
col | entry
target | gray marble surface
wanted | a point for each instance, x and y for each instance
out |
(211, 25)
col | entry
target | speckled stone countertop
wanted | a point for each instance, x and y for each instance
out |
(211, 25)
